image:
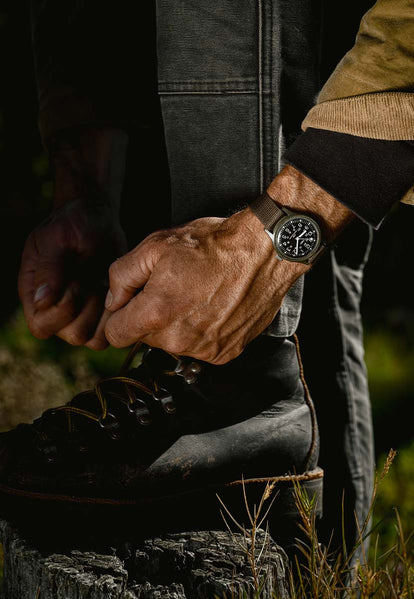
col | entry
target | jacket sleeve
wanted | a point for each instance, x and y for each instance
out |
(364, 117)
(371, 91)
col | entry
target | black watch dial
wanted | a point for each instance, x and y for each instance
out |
(297, 238)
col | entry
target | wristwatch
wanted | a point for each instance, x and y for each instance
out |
(296, 237)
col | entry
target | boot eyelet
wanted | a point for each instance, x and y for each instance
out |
(110, 425)
(139, 409)
(165, 398)
(195, 367)
(188, 371)
(48, 450)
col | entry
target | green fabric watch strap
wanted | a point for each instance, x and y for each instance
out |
(267, 211)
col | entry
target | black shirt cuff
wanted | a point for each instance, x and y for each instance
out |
(367, 175)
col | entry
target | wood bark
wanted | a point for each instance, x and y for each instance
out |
(186, 565)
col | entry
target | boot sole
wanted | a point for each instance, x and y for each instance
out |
(86, 521)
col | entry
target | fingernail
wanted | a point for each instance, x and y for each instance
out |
(108, 301)
(41, 292)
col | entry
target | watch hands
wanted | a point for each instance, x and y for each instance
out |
(298, 239)
(297, 246)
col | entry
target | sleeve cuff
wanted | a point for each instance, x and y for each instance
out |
(367, 175)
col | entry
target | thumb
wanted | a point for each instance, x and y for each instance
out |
(130, 273)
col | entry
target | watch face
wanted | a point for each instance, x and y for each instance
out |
(297, 238)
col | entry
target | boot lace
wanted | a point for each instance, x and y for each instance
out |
(136, 395)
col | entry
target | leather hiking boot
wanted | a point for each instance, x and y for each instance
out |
(153, 446)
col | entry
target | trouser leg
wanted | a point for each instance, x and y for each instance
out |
(331, 340)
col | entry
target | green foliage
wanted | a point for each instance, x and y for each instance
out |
(16, 336)
(397, 491)
(389, 358)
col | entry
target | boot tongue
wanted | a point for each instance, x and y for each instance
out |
(159, 361)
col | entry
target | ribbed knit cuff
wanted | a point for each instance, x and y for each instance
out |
(385, 115)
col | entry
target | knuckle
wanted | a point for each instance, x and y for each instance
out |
(38, 328)
(75, 338)
(115, 271)
(38, 331)
(67, 313)
(113, 337)
(156, 318)
(215, 361)
(207, 355)
(218, 356)
(222, 359)
(96, 344)
(175, 346)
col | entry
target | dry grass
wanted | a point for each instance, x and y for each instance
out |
(321, 574)
(29, 386)
(36, 375)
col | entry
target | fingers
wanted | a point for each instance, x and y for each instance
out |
(138, 319)
(54, 306)
(99, 342)
(130, 273)
(84, 326)
(45, 323)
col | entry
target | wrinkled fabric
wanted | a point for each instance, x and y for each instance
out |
(371, 91)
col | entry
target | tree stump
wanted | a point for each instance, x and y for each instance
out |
(186, 565)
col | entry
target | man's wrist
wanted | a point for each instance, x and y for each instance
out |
(89, 164)
(260, 246)
(293, 190)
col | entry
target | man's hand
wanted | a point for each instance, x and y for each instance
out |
(209, 287)
(64, 269)
(206, 289)
(63, 275)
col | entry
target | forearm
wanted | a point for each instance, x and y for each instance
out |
(89, 164)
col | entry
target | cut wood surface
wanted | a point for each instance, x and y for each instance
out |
(186, 565)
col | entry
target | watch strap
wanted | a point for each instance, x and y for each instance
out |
(267, 211)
